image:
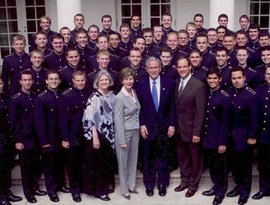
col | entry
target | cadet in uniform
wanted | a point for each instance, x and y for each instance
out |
(216, 131)
(6, 151)
(47, 127)
(21, 116)
(243, 133)
(71, 111)
(14, 64)
(57, 59)
(264, 138)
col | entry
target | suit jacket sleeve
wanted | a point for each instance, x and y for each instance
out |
(119, 119)
(200, 107)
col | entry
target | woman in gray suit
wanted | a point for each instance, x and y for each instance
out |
(126, 119)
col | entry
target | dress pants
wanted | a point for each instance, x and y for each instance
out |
(75, 158)
(242, 170)
(218, 170)
(264, 167)
(127, 161)
(190, 159)
(30, 170)
(156, 162)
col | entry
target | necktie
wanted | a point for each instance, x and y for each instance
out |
(181, 87)
(155, 95)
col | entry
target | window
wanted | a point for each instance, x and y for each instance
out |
(130, 7)
(8, 25)
(157, 9)
(259, 13)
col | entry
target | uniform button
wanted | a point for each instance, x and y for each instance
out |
(264, 129)
(208, 103)
(207, 118)
(83, 102)
(265, 113)
(264, 121)
(239, 107)
(25, 109)
(234, 95)
(210, 96)
(265, 106)
(37, 83)
(266, 98)
(207, 111)
(205, 125)
(205, 133)
(214, 107)
(56, 96)
(51, 110)
(20, 60)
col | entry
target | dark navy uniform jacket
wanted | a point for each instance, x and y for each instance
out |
(127, 45)
(199, 72)
(85, 53)
(176, 54)
(21, 116)
(218, 116)
(39, 80)
(208, 59)
(254, 45)
(169, 71)
(66, 76)
(125, 62)
(260, 72)
(225, 72)
(252, 77)
(232, 60)
(264, 117)
(72, 103)
(114, 62)
(54, 61)
(135, 33)
(46, 118)
(120, 52)
(245, 116)
(165, 33)
(151, 50)
(4, 125)
(12, 66)
(107, 32)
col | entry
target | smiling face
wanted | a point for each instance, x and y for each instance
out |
(53, 81)
(242, 56)
(135, 22)
(103, 61)
(183, 68)
(135, 57)
(213, 81)
(78, 22)
(45, 24)
(166, 21)
(41, 41)
(36, 59)
(73, 58)
(153, 69)
(195, 59)
(128, 82)
(103, 83)
(79, 81)
(165, 58)
(221, 58)
(26, 82)
(106, 23)
(212, 37)
(82, 39)
(58, 45)
(19, 46)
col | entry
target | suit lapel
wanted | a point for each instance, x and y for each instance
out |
(187, 87)
(148, 93)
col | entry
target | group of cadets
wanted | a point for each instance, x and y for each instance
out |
(44, 94)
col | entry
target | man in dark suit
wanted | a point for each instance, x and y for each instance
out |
(157, 121)
(190, 98)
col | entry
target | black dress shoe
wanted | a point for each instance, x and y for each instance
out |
(54, 198)
(5, 203)
(13, 198)
(242, 200)
(40, 193)
(233, 193)
(181, 187)
(104, 198)
(218, 200)
(149, 192)
(209, 192)
(64, 189)
(31, 199)
(190, 193)
(162, 190)
(76, 197)
(259, 195)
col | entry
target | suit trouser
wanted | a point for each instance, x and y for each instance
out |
(30, 170)
(218, 170)
(127, 161)
(242, 170)
(264, 167)
(6, 164)
(49, 158)
(156, 160)
(75, 158)
(190, 159)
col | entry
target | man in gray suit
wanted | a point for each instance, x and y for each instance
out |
(190, 100)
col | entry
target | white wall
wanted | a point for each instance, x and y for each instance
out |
(186, 9)
(93, 10)
(241, 7)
